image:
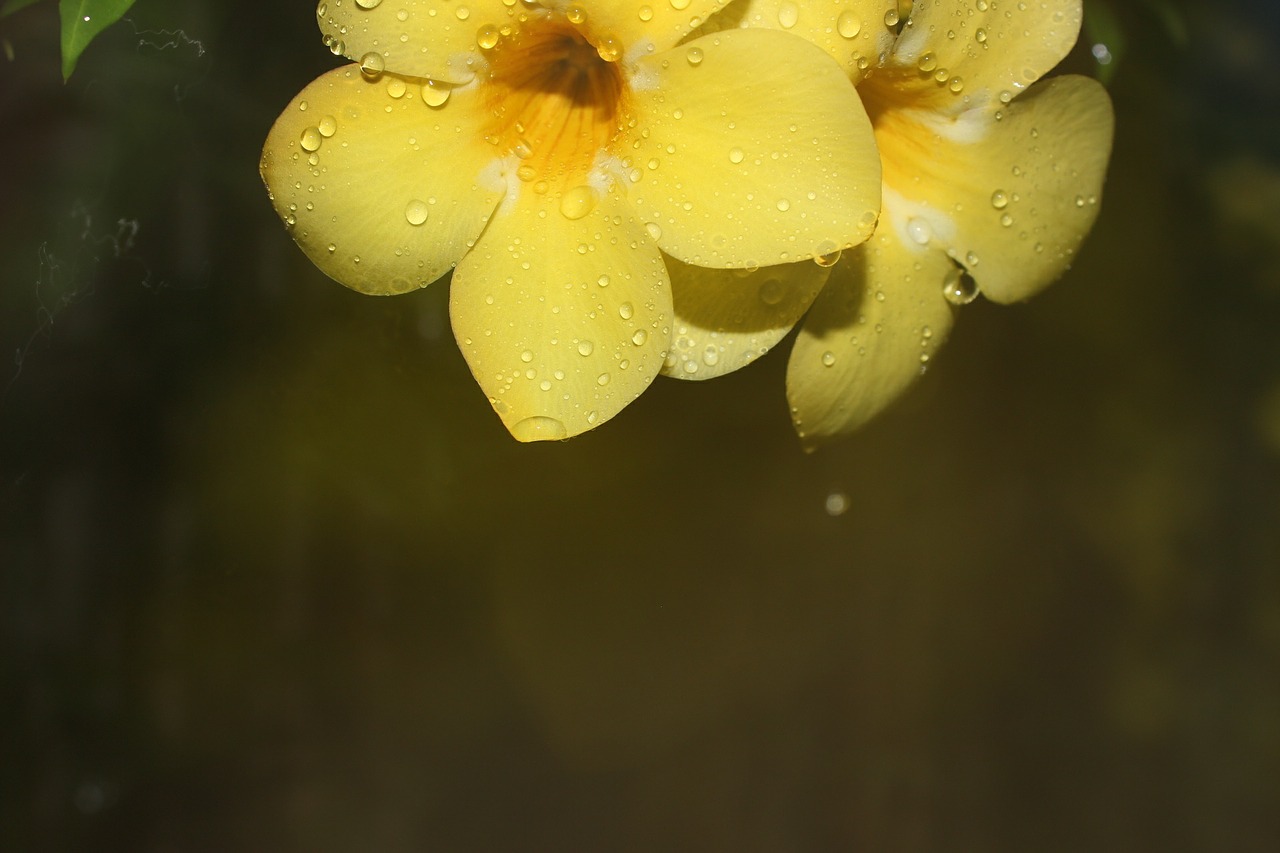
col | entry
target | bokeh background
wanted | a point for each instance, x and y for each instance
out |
(274, 577)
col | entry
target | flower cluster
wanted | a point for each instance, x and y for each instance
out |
(625, 188)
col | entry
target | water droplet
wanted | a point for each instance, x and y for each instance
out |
(736, 155)
(784, 205)
(654, 231)
(848, 24)
(576, 15)
(396, 87)
(435, 94)
(639, 337)
(526, 356)
(645, 13)
(927, 62)
(679, 5)
(487, 37)
(311, 139)
(332, 247)
(959, 288)
(772, 291)
(602, 379)
(327, 126)
(367, 4)
(372, 65)
(538, 428)
(578, 202)
(463, 13)
(828, 358)
(837, 504)
(585, 347)
(416, 212)
(999, 200)
(891, 18)
(603, 280)
(919, 230)
(694, 55)
(788, 15)
(981, 35)
(626, 311)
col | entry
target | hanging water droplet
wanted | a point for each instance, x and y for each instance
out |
(959, 288)
(372, 65)
(538, 428)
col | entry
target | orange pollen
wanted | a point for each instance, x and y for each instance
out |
(555, 103)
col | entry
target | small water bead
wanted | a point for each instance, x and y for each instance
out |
(585, 348)
(337, 46)
(959, 288)
(639, 337)
(999, 200)
(526, 173)
(332, 247)
(302, 106)
(981, 35)
(694, 56)
(463, 13)
(311, 139)
(784, 205)
(919, 230)
(372, 65)
(626, 311)
(578, 202)
(327, 126)
(487, 37)
(602, 379)
(736, 155)
(367, 4)
(788, 15)
(526, 356)
(1006, 220)
(771, 291)
(603, 280)
(416, 212)
(711, 355)
(576, 15)
(955, 84)
(891, 18)
(927, 63)
(654, 230)
(609, 49)
(645, 13)
(848, 24)
(322, 10)
(435, 94)
(396, 87)
(828, 358)
(679, 5)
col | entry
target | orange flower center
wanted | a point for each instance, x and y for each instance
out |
(554, 99)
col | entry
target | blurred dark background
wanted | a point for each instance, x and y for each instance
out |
(274, 577)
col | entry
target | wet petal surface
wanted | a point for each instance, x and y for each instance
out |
(563, 311)
(751, 148)
(383, 192)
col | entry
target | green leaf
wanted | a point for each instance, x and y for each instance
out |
(82, 20)
(11, 6)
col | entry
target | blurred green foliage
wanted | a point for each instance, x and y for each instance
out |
(82, 21)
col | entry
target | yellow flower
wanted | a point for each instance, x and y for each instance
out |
(991, 182)
(561, 156)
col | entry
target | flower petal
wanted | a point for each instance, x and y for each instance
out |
(752, 148)
(382, 192)
(990, 47)
(725, 319)
(419, 38)
(868, 336)
(1013, 206)
(640, 27)
(563, 321)
(853, 32)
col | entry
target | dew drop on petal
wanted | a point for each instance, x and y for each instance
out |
(434, 94)
(487, 37)
(736, 155)
(639, 337)
(848, 24)
(585, 348)
(327, 126)
(578, 202)
(311, 139)
(626, 311)
(919, 230)
(771, 291)
(788, 15)
(416, 212)
(654, 230)
(694, 56)
(999, 199)
(372, 65)
(828, 358)
(368, 4)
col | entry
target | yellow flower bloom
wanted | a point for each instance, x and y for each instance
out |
(991, 182)
(561, 157)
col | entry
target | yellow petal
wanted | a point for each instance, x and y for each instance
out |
(725, 319)
(853, 32)
(1014, 205)
(564, 321)
(419, 38)
(382, 192)
(990, 47)
(870, 333)
(751, 148)
(639, 28)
